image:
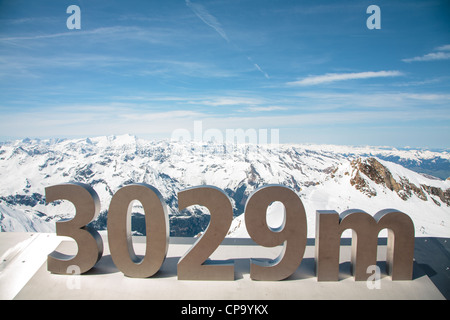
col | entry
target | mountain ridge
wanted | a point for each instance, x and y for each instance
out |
(324, 176)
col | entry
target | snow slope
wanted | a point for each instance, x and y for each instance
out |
(325, 177)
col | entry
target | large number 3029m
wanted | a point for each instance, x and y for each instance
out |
(194, 264)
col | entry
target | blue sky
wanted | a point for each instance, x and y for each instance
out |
(311, 69)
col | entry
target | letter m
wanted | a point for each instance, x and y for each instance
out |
(365, 229)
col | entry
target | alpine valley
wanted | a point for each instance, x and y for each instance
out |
(325, 177)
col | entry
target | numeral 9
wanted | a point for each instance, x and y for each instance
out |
(292, 234)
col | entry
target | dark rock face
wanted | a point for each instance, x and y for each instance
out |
(373, 170)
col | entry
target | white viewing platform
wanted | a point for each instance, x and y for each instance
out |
(24, 275)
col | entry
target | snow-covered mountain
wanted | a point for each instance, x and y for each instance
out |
(325, 177)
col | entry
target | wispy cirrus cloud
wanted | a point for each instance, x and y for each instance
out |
(258, 68)
(266, 109)
(333, 77)
(442, 53)
(445, 47)
(430, 57)
(207, 18)
(98, 31)
(229, 101)
(201, 12)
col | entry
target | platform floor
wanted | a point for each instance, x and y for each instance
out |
(24, 275)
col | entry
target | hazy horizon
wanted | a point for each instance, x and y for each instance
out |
(313, 70)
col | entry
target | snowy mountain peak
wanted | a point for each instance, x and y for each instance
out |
(325, 178)
(404, 183)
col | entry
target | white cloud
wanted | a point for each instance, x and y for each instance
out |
(229, 101)
(94, 120)
(172, 115)
(261, 70)
(258, 67)
(443, 48)
(102, 32)
(433, 56)
(372, 100)
(120, 118)
(430, 57)
(266, 109)
(212, 21)
(207, 18)
(332, 77)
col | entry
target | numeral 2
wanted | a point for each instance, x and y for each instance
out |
(193, 265)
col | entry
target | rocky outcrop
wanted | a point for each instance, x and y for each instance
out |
(444, 196)
(373, 170)
(361, 184)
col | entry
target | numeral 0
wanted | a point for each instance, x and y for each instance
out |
(156, 227)
(193, 265)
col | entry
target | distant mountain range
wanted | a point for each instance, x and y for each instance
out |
(326, 177)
